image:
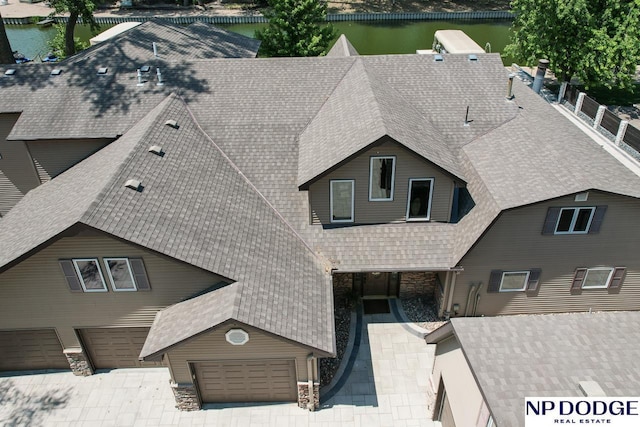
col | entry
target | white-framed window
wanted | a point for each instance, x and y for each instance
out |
(574, 220)
(120, 274)
(514, 281)
(341, 195)
(382, 174)
(598, 277)
(89, 274)
(490, 422)
(419, 199)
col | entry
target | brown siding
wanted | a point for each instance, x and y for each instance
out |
(408, 165)
(17, 173)
(34, 294)
(52, 157)
(515, 242)
(213, 346)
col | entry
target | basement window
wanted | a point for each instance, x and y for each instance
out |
(381, 178)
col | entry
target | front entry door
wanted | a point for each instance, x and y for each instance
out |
(376, 284)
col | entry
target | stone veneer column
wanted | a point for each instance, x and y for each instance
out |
(342, 284)
(78, 361)
(418, 284)
(186, 396)
(303, 396)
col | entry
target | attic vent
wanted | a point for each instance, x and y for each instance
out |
(10, 72)
(133, 184)
(438, 58)
(582, 197)
(145, 68)
(591, 389)
(172, 123)
(237, 337)
(473, 57)
(56, 72)
(156, 149)
(102, 70)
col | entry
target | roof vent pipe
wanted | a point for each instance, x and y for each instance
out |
(543, 64)
(140, 82)
(510, 87)
(155, 49)
(160, 82)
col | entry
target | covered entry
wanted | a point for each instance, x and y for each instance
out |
(377, 284)
(111, 348)
(247, 381)
(32, 349)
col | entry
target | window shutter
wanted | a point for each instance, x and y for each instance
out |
(550, 221)
(494, 281)
(140, 274)
(596, 221)
(70, 274)
(578, 278)
(534, 279)
(617, 277)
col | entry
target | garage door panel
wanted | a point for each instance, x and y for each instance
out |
(111, 348)
(32, 349)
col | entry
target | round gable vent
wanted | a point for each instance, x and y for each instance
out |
(237, 337)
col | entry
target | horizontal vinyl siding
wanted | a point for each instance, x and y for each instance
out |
(515, 243)
(10, 195)
(53, 157)
(408, 165)
(34, 294)
(213, 346)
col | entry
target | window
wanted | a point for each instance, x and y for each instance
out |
(90, 275)
(381, 178)
(514, 281)
(419, 200)
(574, 220)
(120, 275)
(342, 200)
(598, 278)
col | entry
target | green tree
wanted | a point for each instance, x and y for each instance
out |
(58, 43)
(296, 28)
(597, 41)
(6, 55)
(76, 8)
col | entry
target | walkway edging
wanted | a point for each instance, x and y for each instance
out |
(408, 325)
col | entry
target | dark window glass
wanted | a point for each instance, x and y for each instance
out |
(583, 220)
(419, 199)
(564, 224)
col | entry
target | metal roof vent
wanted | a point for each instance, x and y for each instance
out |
(56, 72)
(237, 337)
(157, 150)
(10, 72)
(582, 197)
(145, 68)
(102, 70)
(473, 57)
(133, 184)
(438, 58)
(172, 123)
(591, 389)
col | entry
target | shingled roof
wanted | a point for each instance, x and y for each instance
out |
(342, 47)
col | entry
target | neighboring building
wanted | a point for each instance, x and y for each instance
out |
(238, 196)
(486, 367)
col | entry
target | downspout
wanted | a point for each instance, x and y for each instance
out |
(452, 287)
(310, 375)
(470, 296)
(475, 305)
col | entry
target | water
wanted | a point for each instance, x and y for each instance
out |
(369, 38)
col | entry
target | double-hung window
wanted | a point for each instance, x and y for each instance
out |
(341, 200)
(419, 199)
(382, 171)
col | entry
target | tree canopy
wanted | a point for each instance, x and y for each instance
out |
(6, 55)
(597, 41)
(76, 8)
(296, 28)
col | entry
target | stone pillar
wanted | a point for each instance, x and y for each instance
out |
(579, 103)
(598, 120)
(303, 396)
(186, 396)
(342, 285)
(78, 361)
(621, 131)
(418, 284)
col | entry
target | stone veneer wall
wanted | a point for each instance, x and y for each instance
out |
(342, 285)
(303, 395)
(79, 362)
(418, 284)
(186, 396)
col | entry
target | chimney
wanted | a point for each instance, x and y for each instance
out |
(543, 64)
(510, 87)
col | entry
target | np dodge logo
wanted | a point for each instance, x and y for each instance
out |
(609, 411)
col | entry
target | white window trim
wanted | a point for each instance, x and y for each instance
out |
(353, 189)
(524, 286)
(428, 218)
(81, 279)
(574, 219)
(606, 282)
(393, 178)
(113, 282)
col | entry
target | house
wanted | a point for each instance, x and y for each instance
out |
(204, 217)
(485, 367)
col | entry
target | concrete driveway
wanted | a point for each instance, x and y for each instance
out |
(386, 385)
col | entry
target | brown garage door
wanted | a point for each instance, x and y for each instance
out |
(248, 381)
(34, 349)
(111, 348)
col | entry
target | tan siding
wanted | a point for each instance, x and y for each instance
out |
(34, 293)
(515, 242)
(17, 173)
(408, 165)
(53, 157)
(213, 346)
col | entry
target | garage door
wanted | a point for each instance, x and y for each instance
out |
(248, 381)
(35, 349)
(111, 348)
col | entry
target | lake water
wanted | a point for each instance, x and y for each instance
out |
(369, 38)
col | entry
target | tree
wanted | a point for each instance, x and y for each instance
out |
(296, 28)
(58, 43)
(76, 8)
(597, 41)
(6, 54)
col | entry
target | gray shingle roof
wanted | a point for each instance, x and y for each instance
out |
(514, 357)
(342, 47)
